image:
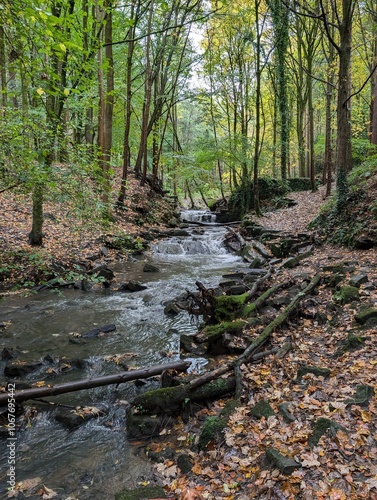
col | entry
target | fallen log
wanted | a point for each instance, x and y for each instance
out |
(247, 355)
(78, 385)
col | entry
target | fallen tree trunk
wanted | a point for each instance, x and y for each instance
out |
(78, 385)
(247, 355)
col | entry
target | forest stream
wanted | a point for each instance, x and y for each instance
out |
(96, 460)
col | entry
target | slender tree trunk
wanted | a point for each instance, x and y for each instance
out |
(106, 91)
(328, 160)
(36, 235)
(344, 146)
(373, 120)
(3, 73)
(128, 109)
(147, 104)
(258, 102)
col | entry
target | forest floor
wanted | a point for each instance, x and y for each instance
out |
(343, 464)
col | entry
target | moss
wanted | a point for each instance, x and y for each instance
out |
(262, 409)
(346, 295)
(213, 332)
(364, 393)
(320, 427)
(227, 307)
(161, 400)
(315, 370)
(212, 428)
(363, 316)
(141, 493)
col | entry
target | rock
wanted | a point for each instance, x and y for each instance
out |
(213, 428)
(73, 420)
(315, 370)
(286, 465)
(160, 456)
(237, 290)
(285, 413)
(346, 295)
(7, 354)
(262, 250)
(141, 426)
(364, 242)
(364, 393)
(363, 316)
(132, 286)
(150, 268)
(184, 463)
(20, 369)
(320, 427)
(101, 271)
(262, 409)
(358, 279)
(97, 331)
(171, 308)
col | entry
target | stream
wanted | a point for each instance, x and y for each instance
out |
(96, 461)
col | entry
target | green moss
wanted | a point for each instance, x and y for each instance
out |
(346, 295)
(363, 316)
(320, 427)
(262, 409)
(161, 400)
(213, 332)
(141, 493)
(227, 307)
(212, 428)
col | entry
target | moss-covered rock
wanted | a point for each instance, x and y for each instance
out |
(286, 465)
(364, 393)
(320, 427)
(212, 429)
(346, 295)
(141, 426)
(364, 316)
(315, 370)
(212, 333)
(262, 409)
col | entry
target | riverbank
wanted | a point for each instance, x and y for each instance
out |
(75, 240)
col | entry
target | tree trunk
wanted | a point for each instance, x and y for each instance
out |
(344, 146)
(36, 235)
(3, 73)
(128, 109)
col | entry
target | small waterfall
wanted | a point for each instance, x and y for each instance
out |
(203, 216)
(198, 243)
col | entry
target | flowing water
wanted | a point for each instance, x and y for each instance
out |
(96, 460)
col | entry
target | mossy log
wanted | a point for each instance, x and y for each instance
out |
(171, 399)
(247, 355)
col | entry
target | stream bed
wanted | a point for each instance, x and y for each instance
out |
(96, 461)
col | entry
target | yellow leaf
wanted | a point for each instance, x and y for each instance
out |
(41, 383)
(366, 416)
(66, 92)
(40, 91)
(63, 48)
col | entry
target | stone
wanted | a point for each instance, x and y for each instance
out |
(358, 279)
(150, 268)
(286, 465)
(184, 463)
(262, 409)
(285, 413)
(364, 393)
(101, 271)
(132, 286)
(346, 295)
(97, 331)
(320, 427)
(363, 316)
(20, 369)
(315, 370)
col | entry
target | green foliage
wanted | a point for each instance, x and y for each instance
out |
(241, 200)
(361, 149)
(299, 184)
